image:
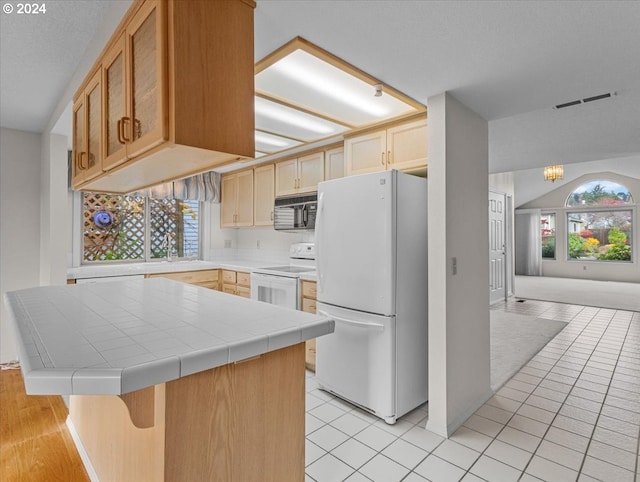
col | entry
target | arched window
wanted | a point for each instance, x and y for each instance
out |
(599, 193)
(600, 222)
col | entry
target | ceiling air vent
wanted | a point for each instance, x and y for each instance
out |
(585, 100)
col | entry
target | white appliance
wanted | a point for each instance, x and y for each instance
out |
(371, 256)
(279, 285)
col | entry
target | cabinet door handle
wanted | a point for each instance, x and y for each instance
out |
(271, 215)
(119, 129)
(383, 158)
(80, 164)
(125, 121)
(389, 161)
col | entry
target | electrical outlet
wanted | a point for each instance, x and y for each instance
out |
(258, 244)
(227, 243)
(454, 266)
(584, 268)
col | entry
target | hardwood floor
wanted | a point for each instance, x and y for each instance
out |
(35, 444)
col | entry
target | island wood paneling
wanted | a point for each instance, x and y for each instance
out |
(240, 422)
(118, 450)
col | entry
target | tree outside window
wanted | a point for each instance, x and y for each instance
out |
(548, 235)
(604, 233)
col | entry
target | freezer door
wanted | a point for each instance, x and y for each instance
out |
(355, 242)
(357, 360)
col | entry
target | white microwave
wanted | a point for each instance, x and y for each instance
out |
(295, 213)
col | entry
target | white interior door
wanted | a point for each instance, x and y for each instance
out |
(497, 253)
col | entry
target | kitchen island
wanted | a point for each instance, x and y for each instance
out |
(170, 381)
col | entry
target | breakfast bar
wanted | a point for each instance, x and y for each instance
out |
(170, 381)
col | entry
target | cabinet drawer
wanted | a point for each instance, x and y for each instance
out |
(308, 305)
(243, 291)
(228, 276)
(231, 289)
(194, 277)
(243, 279)
(309, 289)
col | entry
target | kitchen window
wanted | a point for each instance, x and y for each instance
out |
(130, 228)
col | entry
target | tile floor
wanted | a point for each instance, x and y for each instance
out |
(571, 413)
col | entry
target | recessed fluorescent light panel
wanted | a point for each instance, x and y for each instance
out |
(304, 76)
(269, 143)
(289, 122)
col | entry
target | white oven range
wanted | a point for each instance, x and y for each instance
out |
(279, 285)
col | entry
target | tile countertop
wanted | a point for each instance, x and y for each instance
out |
(237, 264)
(115, 338)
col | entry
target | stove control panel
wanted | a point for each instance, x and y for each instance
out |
(302, 251)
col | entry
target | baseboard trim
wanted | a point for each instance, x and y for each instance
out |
(84, 456)
(460, 419)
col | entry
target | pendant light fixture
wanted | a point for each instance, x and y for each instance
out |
(553, 173)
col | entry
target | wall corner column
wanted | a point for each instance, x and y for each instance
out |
(458, 240)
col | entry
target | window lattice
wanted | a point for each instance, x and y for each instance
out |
(113, 227)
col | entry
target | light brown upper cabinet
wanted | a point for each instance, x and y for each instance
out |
(87, 135)
(299, 175)
(263, 195)
(402, 147)
(178, 92)
(334, 163)
(236, 204)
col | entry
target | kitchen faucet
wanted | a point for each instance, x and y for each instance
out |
(166, 243)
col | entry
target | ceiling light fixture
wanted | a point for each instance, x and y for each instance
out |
(289, 116)
(553, 173)
(271, 140)
(336, 90)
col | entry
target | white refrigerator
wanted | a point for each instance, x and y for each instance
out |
(371, 257)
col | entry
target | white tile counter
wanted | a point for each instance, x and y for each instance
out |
(130, 269)
(115, 338)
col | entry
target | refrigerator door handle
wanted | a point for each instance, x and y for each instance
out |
(318, 232)
(361, 324)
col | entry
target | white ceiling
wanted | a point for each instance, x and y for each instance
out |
(38, 56)
(509, 61)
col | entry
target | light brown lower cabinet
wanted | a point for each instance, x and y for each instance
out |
(207, 278)
(236, 283)
(308, 304)
(239, 422)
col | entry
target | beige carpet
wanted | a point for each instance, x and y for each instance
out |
(515, 339)
(603, 294)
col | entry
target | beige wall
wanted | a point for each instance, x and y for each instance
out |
(20, 154)
(55, 221)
